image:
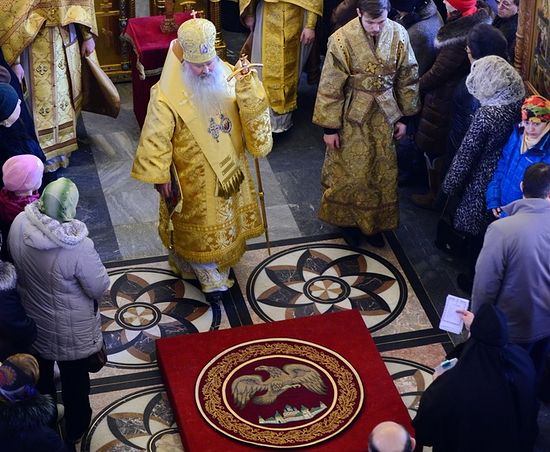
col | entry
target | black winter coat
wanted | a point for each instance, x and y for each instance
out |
(24, 426)
(437, 85)
(17, 331)
(508, 27)
(487, 402)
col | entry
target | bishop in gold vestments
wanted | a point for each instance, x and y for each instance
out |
(43, 36)
(367, 84)
(283, 33)
(190, 128)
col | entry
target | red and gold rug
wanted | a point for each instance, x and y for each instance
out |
(311, 381)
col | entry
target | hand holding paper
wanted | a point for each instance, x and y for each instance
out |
(451, 320)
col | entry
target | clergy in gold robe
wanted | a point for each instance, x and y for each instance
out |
(368, 83)
(283, 32)
(192, 147)
(43, 41)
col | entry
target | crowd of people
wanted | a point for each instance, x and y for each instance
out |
(393, 71)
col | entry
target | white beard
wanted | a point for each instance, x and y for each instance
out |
(210, 94)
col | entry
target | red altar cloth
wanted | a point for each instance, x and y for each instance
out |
(181, 359)
(150, 48)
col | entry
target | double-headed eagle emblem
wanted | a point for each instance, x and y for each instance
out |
(245, 387)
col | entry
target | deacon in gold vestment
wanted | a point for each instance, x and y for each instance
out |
(199, 124)
(283, 31)
(368, 83)
(40, 40)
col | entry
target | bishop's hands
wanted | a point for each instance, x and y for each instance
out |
(243, 66)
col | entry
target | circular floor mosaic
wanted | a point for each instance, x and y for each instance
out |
(317, 279)
(145, 304)
(411, 379)
(139, 421)
(279, 392)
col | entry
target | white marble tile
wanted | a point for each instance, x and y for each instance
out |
(111, 147)
(281, 224)
(115, 178)
(133, 207)
(139, 240)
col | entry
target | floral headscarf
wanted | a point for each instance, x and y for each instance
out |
(536, 109)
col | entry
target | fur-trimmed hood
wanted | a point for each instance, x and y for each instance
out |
(8, 276)
(28, 414)
(456, 30)
(44, 232)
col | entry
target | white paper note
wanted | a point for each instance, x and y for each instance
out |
(450, 320)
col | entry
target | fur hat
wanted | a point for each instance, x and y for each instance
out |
(59, 200)
(22, 173)
(197, 38)
(536, 109)
(464, 7)
(18, 376)
(8, 101)
(493, 81)
(484, 40)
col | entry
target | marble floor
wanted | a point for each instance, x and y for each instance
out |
(147, 302)
(121, 214)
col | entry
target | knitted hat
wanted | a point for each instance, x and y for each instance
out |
(536, 109)
(404, 5)
(59, 200)
(493, 81)
(8, 101)
(18, 376)
(5, 76)
(465, 7)
(197, 38)
(22, 173)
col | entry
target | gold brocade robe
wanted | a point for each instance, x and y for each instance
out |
(364, 90)
(45, 29)
(282, 25)
(209, 228)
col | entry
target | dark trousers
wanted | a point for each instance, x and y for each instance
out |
(75, 389)
(474, 245)
(540, 354)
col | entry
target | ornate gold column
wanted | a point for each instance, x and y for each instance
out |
(524, 37)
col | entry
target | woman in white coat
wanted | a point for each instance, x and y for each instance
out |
(61, 280)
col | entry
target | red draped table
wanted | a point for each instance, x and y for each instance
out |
(208, 378)
(150, 48)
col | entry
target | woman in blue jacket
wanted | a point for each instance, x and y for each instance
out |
(528, 144)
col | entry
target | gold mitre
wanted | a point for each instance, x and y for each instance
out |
(197, 38)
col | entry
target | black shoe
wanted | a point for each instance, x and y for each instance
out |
(465, 283)
(352, 236)
(376, 240)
